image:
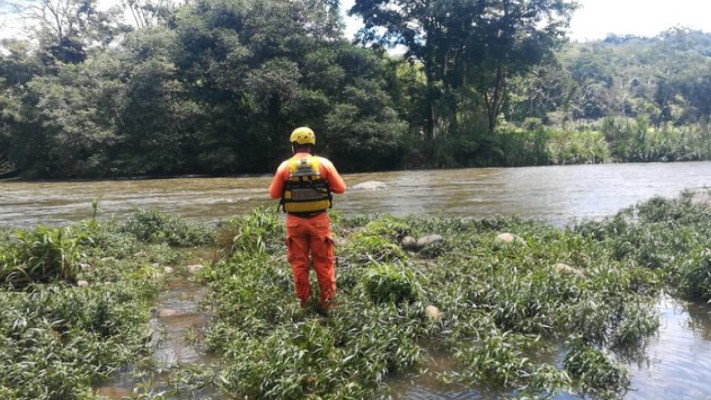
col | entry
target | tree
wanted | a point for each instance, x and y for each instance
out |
(259, 69)
(462, 44)
(148, 13)
(154, 109)
(68, 28)
(65, 123)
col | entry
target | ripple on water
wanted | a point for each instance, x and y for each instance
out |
(678, 364)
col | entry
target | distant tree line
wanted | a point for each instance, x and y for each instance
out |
(215, 86)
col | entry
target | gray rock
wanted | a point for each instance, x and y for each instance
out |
(409, 243)
(428, 240)
(370, 185)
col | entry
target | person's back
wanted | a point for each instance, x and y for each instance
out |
(304, 184)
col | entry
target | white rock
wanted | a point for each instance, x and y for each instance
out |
(84, 266)
(82, 283)
(567, 269)
(433, 313)
(195, 268)
(155, 265)
(167, 312)
(507, 237)
(168, 270)
(370, 185)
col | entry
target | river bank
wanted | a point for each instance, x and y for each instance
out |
(509, 306)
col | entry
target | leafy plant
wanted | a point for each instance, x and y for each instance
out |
(156, 227)
(41, 255)
(597, 373)
(391, 283)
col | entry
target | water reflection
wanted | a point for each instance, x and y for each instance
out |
(679, 355)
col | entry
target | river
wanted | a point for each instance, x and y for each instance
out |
(677, 361)
(558, 194)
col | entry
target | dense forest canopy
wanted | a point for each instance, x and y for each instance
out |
(215, 86)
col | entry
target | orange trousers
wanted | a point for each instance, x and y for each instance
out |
(311, 236)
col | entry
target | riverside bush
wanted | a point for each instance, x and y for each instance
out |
(40, 255)
(597, 373)
(667, 235)
(388, 283)
(156, 227)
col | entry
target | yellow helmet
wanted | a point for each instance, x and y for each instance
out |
(303, 135)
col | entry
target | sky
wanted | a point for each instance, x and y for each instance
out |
(597, 18)
(594, 20)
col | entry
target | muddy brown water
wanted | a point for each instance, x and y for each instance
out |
(556, 194)
(176, 315)
(676, 363)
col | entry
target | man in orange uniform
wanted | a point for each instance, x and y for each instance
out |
(305, 183)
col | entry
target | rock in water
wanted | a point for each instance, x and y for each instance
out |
(166, 313)
(193, 269)
(370, 185)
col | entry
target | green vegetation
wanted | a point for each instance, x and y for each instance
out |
(496, 302)
(215, 87)
(548, 312)
(75, 303)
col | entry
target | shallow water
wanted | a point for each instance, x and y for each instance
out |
(176, 314)
(674, 364)
(677, 363)
(678, 359)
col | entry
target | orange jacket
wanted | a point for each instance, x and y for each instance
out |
(328, 173)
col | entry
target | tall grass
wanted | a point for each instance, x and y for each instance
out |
(636, 140)
(612, 140)
(41, 255)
